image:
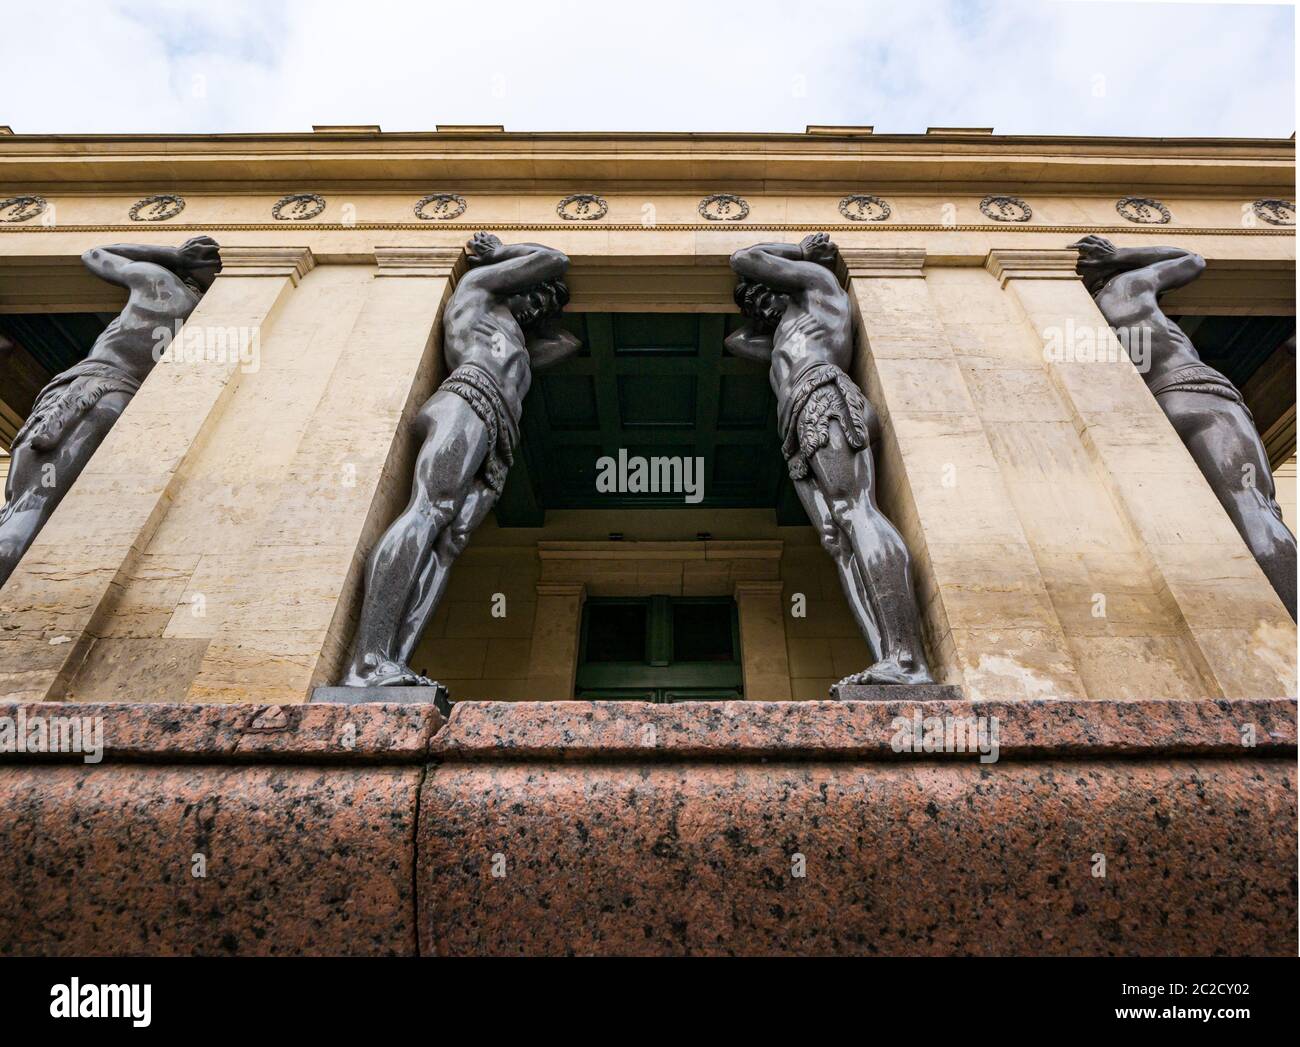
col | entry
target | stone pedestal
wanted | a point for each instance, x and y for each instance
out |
(435, 696)
(924, 692)
(1098, 828)
(780, 828)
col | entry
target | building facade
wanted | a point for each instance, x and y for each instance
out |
(1077, 578)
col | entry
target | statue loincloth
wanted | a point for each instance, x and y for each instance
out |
(1201, 378)
(70, 395)
(818, 394)
(1196, 378)
(483, 393)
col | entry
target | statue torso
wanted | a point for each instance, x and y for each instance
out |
(478, 328)
(817, 327)
(136, 338)
(1129, 305)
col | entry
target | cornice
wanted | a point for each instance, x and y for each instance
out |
(602, 161)
(418, 261)
(868, 262)
(293, 262)
(1032, 265)
(663, 140)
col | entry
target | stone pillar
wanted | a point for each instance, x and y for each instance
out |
(287, 625)
(991, 625)
(68, 583)
(766, 663)
(1234, 624)
(553, 657)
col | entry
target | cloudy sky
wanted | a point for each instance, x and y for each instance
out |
(1037, 66)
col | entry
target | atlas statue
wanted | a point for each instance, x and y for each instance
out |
(501, 323)
(799, 321)
(75, 411)
(1206, 409)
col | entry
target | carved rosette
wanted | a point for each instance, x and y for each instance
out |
(440, 207)
(1006, 209)
(21, 208)
(157, 208)
(582, 207)
(865, 208)
(298, 207)
(1275, 212)
(724, 207)
(1143, 210)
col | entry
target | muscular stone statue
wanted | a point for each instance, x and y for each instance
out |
(1205, 408)
(501, 322)
(798, 320)
(75, 411)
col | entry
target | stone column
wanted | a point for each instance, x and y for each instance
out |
(1235, 625)
(287, 626)
(766, 662)
(991, 624)
(553, 658)
(66, 586)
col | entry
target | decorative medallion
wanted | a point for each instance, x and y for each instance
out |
(298, 207)
(1143, 210)
(1275, 212)
(864, 209)
(441, 207)
(724, 207)
(157, 208)
(582, 207)
(21, 208)
(1006, 209)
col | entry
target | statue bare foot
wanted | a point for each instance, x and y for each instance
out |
(889, 671)
(383, 672)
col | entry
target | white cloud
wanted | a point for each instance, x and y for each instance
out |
(669, 65)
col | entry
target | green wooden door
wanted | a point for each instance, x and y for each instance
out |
(660, 649)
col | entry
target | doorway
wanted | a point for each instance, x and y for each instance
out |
(660, 649)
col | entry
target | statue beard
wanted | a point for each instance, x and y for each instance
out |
(538, 304)
(760, 305)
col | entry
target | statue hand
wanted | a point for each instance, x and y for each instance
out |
(1094, 248)
(817, 247)
(482, 248)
